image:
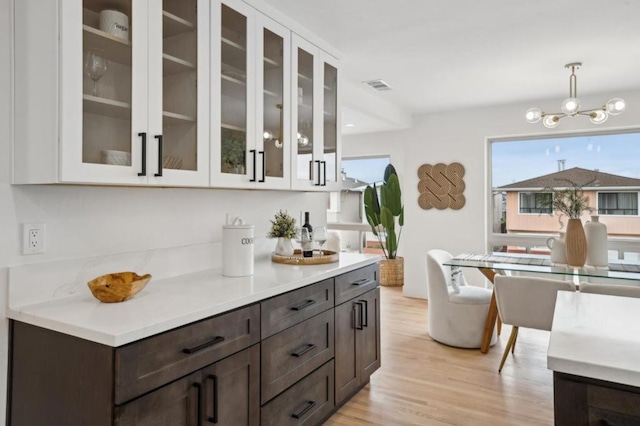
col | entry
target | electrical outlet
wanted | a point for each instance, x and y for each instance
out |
(32, 238)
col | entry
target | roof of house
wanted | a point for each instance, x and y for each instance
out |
(351, 184)
(587, 179)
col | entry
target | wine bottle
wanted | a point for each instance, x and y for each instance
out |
(307, 246)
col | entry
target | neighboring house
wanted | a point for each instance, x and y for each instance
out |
(614, 198)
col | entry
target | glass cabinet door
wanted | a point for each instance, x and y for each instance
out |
(304, 126)
(108, 35)
(179, 144)
(234, 93)
(274, 119)
(331, 154)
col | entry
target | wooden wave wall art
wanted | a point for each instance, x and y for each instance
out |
(441, 186)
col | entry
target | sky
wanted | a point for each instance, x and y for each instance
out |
(369, 170)
(514, 161)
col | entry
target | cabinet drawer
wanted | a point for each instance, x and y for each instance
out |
(291, 354)
(307, 402)
(613, 401)
(356, 282)
(150, 363)
(296, 306)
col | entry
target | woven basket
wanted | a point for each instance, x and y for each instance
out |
(392, 272)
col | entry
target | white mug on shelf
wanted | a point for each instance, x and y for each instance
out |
(115, 23)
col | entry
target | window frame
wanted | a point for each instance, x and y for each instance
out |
(494, 239)
(520, 212)
(637, 193)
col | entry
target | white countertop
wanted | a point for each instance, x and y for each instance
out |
(168, 303)
(596, 336)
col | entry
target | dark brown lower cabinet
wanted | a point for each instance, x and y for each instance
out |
(225, 393)
(580, 401)
(357, 334)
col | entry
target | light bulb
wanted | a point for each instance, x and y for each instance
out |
(533, 115)
(551, 121)
(615, 106)
(302, 140)
(267, 136)
(598, 117)
(570, 106)
(278, 143)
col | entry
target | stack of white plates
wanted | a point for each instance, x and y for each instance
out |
(119, 158)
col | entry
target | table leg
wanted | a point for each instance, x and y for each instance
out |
(492, 315)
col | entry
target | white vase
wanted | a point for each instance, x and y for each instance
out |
(597, 250)
(284, 247)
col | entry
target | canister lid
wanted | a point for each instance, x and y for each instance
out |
(238, 223)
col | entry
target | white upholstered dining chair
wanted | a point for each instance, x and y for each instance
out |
(457, 312)
(611, 289)
(526, 302)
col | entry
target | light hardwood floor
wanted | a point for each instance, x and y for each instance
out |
(422, 382)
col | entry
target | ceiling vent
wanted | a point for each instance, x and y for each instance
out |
(377, 85)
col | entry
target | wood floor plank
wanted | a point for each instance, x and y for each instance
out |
(422, 382)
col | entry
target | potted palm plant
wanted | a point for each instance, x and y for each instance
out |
(385, 215)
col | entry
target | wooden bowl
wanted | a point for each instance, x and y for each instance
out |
(117, 287)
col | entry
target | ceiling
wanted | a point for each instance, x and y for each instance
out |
(444, 55)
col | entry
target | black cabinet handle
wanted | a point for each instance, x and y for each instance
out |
(308, 406)
(159, 137)
(214, 418)
(319, 177)
(303, 305)
(364, 318)
(214, 341)
(144, 154)
(362, 281)
(306, 348)
(198, 386)
(310, 170)
(361, 325)
(253, 179)
(264, 164)
(324, 174)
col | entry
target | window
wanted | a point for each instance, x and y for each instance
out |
(535, 202)
(522, 169)
(618, 203)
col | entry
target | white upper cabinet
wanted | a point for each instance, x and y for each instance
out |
(250, 83)
(315, 155)
(171, 93)
(125, 98)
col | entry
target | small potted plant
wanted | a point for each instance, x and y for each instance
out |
(572, 203)
(283, 227)
(385, 216)
(233, 153)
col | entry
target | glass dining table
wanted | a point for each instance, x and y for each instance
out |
(501, 263)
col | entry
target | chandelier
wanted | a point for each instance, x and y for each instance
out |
(268, 136)
(571, 106)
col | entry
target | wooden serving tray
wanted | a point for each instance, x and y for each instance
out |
(297, 258)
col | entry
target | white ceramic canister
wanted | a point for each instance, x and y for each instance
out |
(237, 249)
(597, 250)
(115, 23)
(557, 247)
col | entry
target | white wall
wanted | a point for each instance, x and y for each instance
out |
(460, 137)
(84, 221)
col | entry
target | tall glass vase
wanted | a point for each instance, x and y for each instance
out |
(575, 243)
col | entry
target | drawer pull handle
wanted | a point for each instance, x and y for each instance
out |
(214, 419)
(362, 281)
(214, 341)
(306, 348)
(365, 316)
(361, 326)
(305, 410)
(303, 305)
(198, 386)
